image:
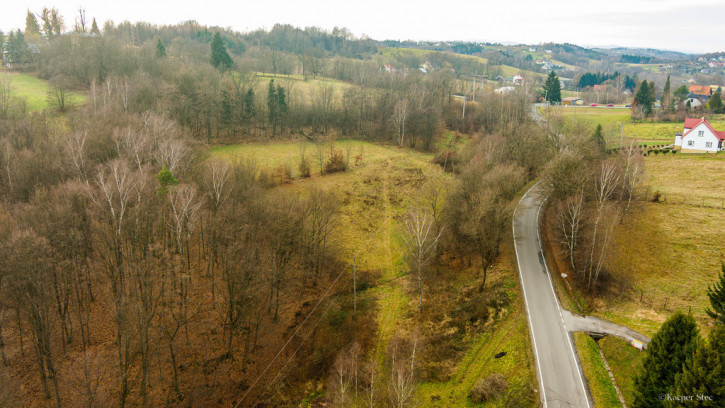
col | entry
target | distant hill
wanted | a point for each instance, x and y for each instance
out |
(649, 53)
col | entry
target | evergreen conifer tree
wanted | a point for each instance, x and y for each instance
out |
(166, 179)
(552, 88)
(716, 293)
(716, 103)
(160, 49)
(220, 58)
(643, 99)
(666, 97)
(665, 356)
(703, 373)
(598, 139)
(94, 28)
(31, 25)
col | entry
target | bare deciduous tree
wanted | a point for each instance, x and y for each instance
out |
(571, 214)
(399, 119)
(422, 242)
(605, 186)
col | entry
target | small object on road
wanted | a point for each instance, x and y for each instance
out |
(594, 104)
(499, 355)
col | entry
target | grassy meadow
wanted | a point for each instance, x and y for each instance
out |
(375, 194)
(625, 362)
(612, 119)
(33, 91)
(600, 385)
(669, 252)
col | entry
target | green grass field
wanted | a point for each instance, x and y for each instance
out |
(670, 252)
(625, 362)
(600, 385)
(612, 120)
(33, 91)
(506, 70)
(375, 195)
(510, 335)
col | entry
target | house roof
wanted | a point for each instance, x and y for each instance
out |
(692, 122)
(572, 99)
(700, 90)
(718, 133)
(599, 87)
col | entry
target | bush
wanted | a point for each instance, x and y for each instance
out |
(305, 168)
(336, 162)
(283, 174)
(489, 388)
(656, 197)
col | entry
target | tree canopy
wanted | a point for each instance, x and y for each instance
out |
(666, 354)
(716, 293)
(160, 49)
(552, 88)
(644, 99)
(220, 58)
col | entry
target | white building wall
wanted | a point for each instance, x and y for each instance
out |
(700, 142)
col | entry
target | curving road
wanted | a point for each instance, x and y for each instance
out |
(561, 382)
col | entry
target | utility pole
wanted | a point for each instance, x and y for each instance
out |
(464, 107)
(474, 87)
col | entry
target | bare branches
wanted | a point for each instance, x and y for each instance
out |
(399, 119)
(422, 242)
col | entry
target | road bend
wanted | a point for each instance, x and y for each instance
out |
(561, 383)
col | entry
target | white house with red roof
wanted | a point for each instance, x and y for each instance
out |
(517, 79)
(699, 137)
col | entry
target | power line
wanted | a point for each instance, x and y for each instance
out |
(292, 356)
(291, 337)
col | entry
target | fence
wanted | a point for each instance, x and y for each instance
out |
(683, 199)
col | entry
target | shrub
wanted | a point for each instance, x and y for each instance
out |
(305, 168)
(336, 162)
(657, 152)
(656, 197)
(674, 151)
(283, 174)
(266, 178)
(489, 388)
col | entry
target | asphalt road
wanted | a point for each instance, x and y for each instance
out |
(561, 383)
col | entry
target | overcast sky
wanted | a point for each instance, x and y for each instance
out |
(690, 26)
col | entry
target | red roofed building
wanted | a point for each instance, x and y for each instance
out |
(699, 137)
(703, 90)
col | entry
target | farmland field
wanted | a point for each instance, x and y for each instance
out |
(32, 90)
(612, 120)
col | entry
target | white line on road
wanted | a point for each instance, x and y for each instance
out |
(528, 316)
(551, 285)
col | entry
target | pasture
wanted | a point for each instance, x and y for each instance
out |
(668, 252)
(33, 92)
(612, 119)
